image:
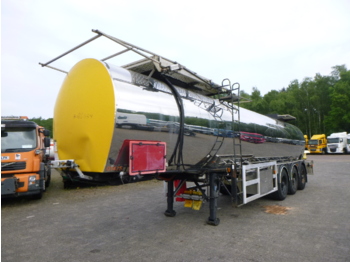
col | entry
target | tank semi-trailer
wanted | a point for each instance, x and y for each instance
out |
(91, 147)
(25, 166)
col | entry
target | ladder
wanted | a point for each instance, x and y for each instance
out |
(236, 172)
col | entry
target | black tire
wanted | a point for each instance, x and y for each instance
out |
(48, 180)
(48, 176)
(302, 178)
(293, 181)
(282, 190)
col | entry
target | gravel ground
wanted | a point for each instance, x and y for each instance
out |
(126, 223)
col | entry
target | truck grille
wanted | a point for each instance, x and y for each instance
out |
(12, 166)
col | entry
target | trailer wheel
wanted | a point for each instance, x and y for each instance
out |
(302, 178)
(293, 182)
(282, 190)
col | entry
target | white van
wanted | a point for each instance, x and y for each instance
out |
(133, 121)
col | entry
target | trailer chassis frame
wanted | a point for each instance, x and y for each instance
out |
(246, 183)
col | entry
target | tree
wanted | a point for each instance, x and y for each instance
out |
(337, 70)
(46, 123)
(338, 118)
(320, 104)
(257, 103)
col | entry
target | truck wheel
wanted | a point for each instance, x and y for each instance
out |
(293, 182)
(48, 176)
(302, 178)
(48, 180)
(282, 190)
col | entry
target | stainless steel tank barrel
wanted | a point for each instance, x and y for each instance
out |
(100, 106)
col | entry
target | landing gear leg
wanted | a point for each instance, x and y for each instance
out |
(213, 202)
(170, 212)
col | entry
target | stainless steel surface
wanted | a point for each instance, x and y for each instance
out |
(205, 119)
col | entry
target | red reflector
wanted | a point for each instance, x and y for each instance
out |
(147, 157)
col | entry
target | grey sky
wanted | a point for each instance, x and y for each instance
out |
(263, 44)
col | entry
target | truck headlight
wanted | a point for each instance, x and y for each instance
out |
(32, 180)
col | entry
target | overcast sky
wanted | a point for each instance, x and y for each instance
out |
(264, 44)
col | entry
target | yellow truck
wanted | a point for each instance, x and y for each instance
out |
(306, 142)
(318, 144)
